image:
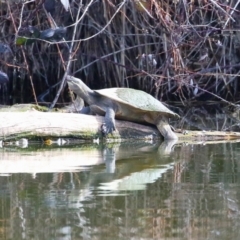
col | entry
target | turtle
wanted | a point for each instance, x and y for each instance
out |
(124, 104)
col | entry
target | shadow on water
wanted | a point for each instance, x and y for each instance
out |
(121, 191)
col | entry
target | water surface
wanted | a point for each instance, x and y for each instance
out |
(128, 191)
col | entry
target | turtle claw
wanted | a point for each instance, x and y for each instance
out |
(107, 129)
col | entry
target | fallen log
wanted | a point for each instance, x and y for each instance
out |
(69, 125)
(34, 124)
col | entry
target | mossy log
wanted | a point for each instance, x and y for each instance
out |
(14, 125)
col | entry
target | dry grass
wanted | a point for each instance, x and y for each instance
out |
(175, 50)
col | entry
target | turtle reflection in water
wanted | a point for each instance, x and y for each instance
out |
(126, 104)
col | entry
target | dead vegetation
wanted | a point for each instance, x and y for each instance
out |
(174, 49)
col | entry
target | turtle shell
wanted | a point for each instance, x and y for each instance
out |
(136, 100)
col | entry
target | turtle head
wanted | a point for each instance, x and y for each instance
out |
(80, 88)
(176, 116)
(72, 80)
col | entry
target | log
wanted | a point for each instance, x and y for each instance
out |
(34, 124)
(15, 125)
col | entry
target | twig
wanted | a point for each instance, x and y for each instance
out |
(68, 64)
(24, 56)
(231, 13)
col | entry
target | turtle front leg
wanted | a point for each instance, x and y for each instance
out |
(109, 122)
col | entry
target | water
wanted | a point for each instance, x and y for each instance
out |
(128, 191)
